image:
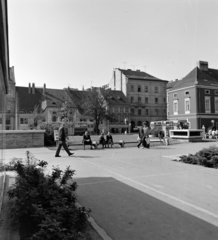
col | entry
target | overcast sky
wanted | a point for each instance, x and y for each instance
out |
(79, 42)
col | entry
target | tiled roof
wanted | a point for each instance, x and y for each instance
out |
(55, 97)
(139, 75)
(115, 97)
(27, 101)
(198, 77)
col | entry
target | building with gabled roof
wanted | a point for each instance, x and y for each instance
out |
(194, 98)
(145, 93)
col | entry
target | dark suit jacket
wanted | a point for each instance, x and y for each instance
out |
(62, 135)
(86, 137)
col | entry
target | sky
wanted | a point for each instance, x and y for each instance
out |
(76, 43)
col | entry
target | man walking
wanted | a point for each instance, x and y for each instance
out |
(62, 141)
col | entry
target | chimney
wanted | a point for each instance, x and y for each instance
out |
(29, 89)
(203, 65)
(33, 88)
(44, 88)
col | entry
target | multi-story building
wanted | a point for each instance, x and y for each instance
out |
(194, 98)
(145, 93)
(4, 61)
(115, 102)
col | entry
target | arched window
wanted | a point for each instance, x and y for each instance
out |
(54, 118)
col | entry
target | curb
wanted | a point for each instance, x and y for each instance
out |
(2, 193)
(97, 228)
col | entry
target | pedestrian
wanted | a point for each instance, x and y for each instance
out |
(109, 139)
(144, 136)
(87, 140)
(62, 141)
(102, 140)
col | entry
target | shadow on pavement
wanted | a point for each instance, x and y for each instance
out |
(126, 213)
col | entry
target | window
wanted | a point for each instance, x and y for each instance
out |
(8, 124)
(126, 109)
(139, 100)
(175, 95)
(24, 121)
(131, 99)
(164, 111)
(139, 112)
(139, 88)
(164, 99)
(8, 109)
(186, 93)
(206, 91)
(146, 111)
(132, 88)
(156, 112)
(187, 105)
(54, 118)
(216, 92)
(146, 88)
(156, 100)
(132, 111)
(0, 121)
(156, 89)
(116, 109)
(175, 107)
(216, 104)
(207, 105)
(121, 109)
(146, 100)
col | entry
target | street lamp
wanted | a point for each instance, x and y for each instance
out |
(126, 123)
(213, 122)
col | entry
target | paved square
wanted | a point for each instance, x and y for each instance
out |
(141, 193)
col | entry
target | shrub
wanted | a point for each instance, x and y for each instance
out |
(207, 157)
(45, 205)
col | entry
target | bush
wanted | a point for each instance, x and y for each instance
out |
(45, 205)
(207, 157)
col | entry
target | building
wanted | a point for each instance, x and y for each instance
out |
(194, 98)
(119, 108)
(145, 93)
(4, 61)
(116, 104)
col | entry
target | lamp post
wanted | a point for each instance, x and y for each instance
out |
(129, 127)
(212, 123)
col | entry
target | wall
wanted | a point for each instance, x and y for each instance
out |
(181, 96)
(21, 138)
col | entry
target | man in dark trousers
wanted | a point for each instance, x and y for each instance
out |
(62, 141)
(144, 136)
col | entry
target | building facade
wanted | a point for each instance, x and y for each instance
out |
(194, 99)
(4, 61)
(145, 93)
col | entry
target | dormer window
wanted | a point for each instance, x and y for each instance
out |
(206, 91)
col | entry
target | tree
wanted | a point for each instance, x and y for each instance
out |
(95, 105)
(36, 116)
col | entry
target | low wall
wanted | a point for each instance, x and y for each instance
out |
(187, 135)
(21, 139)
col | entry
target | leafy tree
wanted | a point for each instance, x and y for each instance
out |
(36, 116)
(95, 105)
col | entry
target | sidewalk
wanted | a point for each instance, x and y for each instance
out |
(139, 194)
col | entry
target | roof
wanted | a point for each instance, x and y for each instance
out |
(28, 101)
(198, 77)
(55, 97)
(115, 97)
(139, 75)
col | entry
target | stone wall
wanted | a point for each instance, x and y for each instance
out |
(21, 139)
